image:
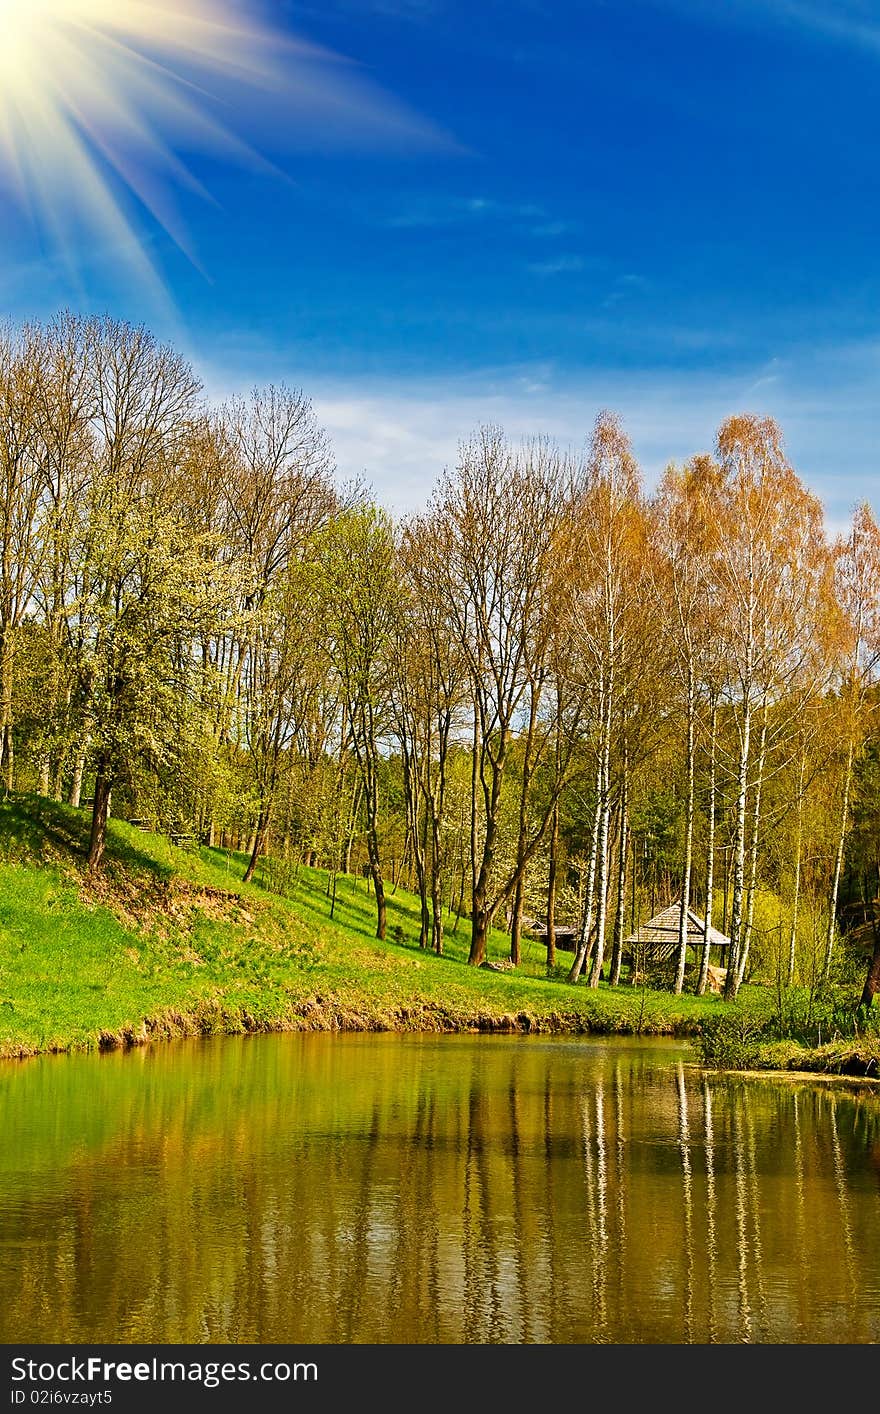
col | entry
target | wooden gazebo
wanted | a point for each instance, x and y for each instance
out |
(657, 940)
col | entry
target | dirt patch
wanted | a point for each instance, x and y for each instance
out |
(161, 907)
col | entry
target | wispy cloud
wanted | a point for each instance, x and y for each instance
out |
(625, 287)
(399, 433)
(427, 211)
(557, 265)
(417, 10)
(550, 229)
(851, 21)
(854, 22)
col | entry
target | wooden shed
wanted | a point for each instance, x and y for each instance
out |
(565, 934)
(657, 940)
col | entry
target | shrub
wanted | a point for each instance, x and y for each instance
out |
(732, 1041)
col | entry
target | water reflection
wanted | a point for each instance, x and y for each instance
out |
(711, 1208)
(687, 1190)
(400, 1189)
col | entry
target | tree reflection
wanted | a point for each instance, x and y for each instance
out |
(320, 1188)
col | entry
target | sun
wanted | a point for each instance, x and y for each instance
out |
(19, 21)
(103, 103)
(107, 107)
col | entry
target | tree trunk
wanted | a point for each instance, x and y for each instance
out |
(517, 924)
(482, 913)
(753, 856)
(479, 937)
(798, 852)
(418, 856)
(437, 914)
(415, 839)
(479, 917)
(379, 890)
(872, 981)
(620, 915)
(838, 861)
(78, 771)
(371, 796)
(703, 978)
(688, 836)
(100, 813)
(551, 888)
(602, 861)
(601, 893)
(587, 918)
(258, 842)
(348, 845)
(522, 830)
(739, 854)
(7, 750)
(436, 879)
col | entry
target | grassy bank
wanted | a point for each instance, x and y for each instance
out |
(168, 942)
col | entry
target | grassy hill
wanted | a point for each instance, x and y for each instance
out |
(169, 942)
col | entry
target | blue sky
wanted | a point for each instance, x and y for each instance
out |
(521, 211)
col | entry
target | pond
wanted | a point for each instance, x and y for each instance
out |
(432, 1189)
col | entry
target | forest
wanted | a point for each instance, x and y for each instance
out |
(553, 696)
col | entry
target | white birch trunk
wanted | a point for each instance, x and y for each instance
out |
(838, 861)
(739, 852)
(753, 856)
(798, 850)
(688, 835)
(710, 859)
(587, 919)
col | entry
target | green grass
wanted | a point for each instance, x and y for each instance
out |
(169, 942)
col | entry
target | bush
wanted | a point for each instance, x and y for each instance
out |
(828, 1013)
(732, 1041)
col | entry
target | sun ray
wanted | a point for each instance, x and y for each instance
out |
(104, 103)
(97, 97)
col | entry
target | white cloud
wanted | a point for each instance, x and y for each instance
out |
(558, 265)
(398, 433)
(853, 22)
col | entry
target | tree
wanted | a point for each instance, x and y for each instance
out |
(21, 547)
(357, 594)
(857, 586)
(769, 572)
(266, 486)
(500, 510)
(64, 405)
(431, 677)
(609, 554)
(685, 534)
(286, 665)
(144, 583)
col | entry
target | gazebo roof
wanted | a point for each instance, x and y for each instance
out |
(661, 931)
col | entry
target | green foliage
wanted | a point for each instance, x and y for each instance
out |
(732, 1041)
(819, 1028)
(827, 1013)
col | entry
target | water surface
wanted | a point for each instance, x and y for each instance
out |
(361, 1188)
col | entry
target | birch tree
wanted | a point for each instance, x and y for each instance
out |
(857, 585)
(770, 570)
(610, 545)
